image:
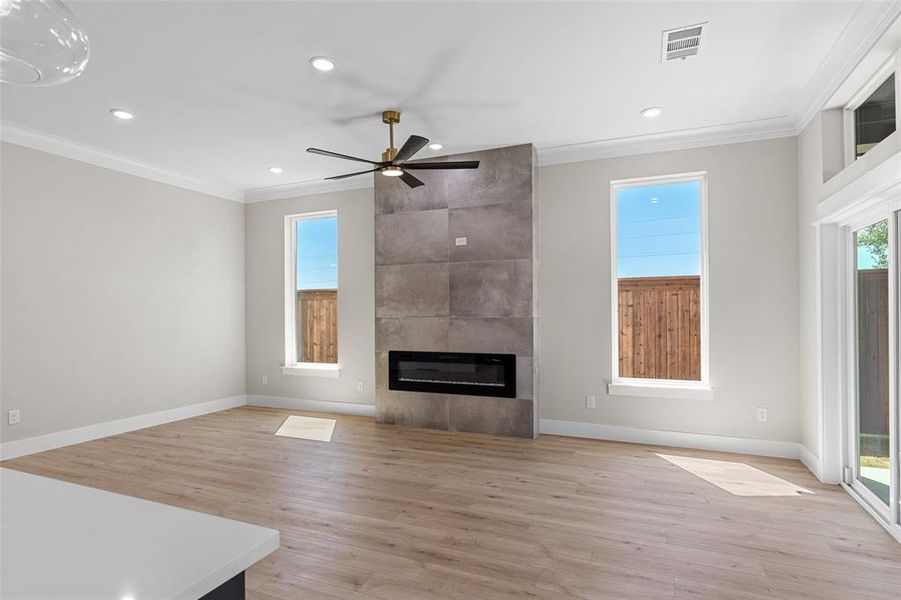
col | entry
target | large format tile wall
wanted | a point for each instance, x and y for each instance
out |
(434, 295)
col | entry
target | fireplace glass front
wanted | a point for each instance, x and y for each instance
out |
(453, 373)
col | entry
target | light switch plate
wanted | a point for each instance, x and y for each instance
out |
(15, 417)
(460, 241)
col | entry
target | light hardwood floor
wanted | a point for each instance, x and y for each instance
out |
(401, 513)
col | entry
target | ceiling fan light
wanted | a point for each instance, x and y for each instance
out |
(392, 171)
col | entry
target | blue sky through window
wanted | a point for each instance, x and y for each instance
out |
(317, 253)
(868, 256)
(865, 259)
(658, 230)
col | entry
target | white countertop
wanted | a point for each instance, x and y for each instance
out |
(64, 541)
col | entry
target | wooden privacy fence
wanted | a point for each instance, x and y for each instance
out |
(317, 326)
(872, 351)
(660, 327)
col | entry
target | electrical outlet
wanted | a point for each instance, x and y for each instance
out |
(360, 385)
(590, 402)
(265, 379)
(15, 417)
(761, 415)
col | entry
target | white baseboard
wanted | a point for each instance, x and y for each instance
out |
(549, 426)
(59, 439)
(342, 408)
(676, 439)
(811, 461)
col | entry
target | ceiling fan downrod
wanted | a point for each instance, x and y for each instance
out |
(390, 118)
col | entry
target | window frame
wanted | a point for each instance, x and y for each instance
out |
(671, 388)
(849, 138)
(291, 366)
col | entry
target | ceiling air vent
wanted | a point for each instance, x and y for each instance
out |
(681, 43)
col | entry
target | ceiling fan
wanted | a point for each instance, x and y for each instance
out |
(394, 162)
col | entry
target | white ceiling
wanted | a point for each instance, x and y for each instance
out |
(223, 90)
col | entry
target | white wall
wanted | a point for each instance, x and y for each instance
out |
(753, 278)
(121, 296)
(827, 197)
(356, 298)
(810, 181)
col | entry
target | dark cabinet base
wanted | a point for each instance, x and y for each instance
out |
(233, 589)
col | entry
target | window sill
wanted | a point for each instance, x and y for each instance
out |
(313, 370)
(661, 390)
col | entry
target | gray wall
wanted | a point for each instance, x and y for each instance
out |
(119, 246)
(753, 278)
(432, 295)
(121, 296)
(265, 299)
(754, 246)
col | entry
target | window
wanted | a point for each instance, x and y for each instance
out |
(874, 118)
(311, 293)
(659, 281)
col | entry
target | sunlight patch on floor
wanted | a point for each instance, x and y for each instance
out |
(736, 478)
(307, 428)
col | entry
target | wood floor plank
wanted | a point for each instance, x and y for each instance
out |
(390, 513)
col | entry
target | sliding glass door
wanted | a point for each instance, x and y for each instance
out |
(873, 364)
(872, 411)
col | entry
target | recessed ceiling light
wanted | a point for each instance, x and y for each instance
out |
(275, 170)
(392, 171)
(651, 112)
(321, 63)
(121, 114)
(435, 146)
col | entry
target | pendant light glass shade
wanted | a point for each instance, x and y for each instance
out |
(41, 43)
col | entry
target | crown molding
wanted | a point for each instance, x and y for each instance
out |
(45, 142)
(684, 139)
(869, 23)
(307, 188)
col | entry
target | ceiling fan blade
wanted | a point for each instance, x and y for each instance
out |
(344, 156)
(460, 164)
(413, 145)
(354, 174)
(410, 180)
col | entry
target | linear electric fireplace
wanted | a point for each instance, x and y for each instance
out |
(453, 373)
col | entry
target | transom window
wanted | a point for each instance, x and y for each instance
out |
(874, 119)
(659, 280)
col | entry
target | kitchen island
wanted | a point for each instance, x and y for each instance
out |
(61, 541)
